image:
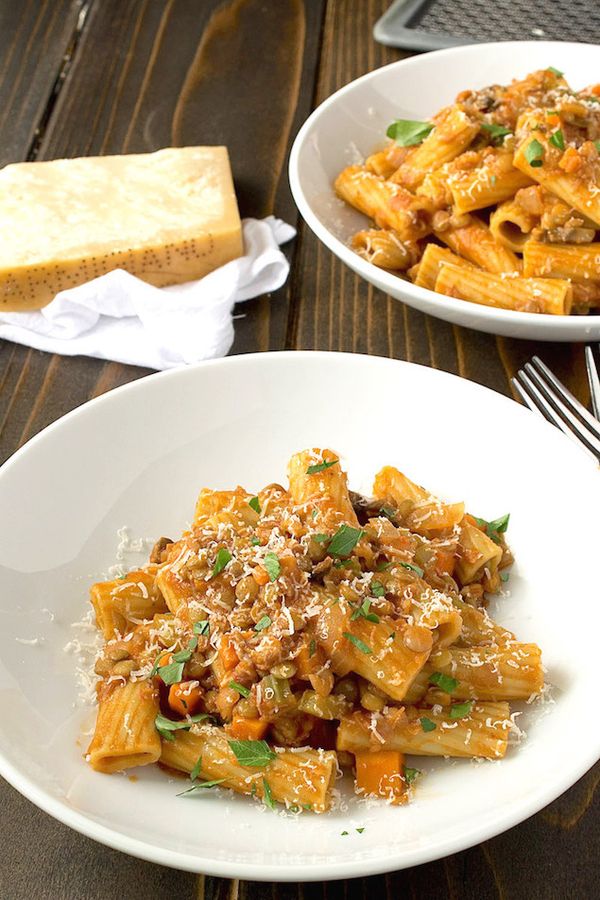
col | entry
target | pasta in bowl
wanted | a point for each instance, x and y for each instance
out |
(303, 631)
(458, 210)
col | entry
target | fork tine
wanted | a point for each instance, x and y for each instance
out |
(566, 396)
(564, 418)
(594, 381)
(537, 403)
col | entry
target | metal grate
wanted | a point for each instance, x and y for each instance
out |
(431, 24)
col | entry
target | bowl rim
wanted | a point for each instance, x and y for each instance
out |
(566, 328)
(349, 868)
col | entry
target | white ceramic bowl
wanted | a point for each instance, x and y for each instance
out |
(352, 123)
(138, 456)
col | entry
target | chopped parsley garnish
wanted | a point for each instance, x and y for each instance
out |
(223, 558)
(171, 673)
(427, 724)
(320, 467)
(320, 538)
(312, 648)
(413, 568)
(360, 645)
(267, 795)
(344, 833)
(200, 785)
(262, 623)
(306, 805)
(252, 753)
(504, 576)
(360, 830)
(182, 656)
(444, 682)
(272, 565)
(534, 154)
(345, 540)
(496, 132)
(495, 527)
(165, 726)
(202, 628)
(554, 71)
(493, 180)
(557, 139)
(363, 611)
(381, 567)
(192, 644)
(392, 636)
(597, 143)
(377, 589)
(240, 688)
(195, 773)
(255, 541)
(408, 133)
(410, 774)
(458, 710)
(388, 512)
(255, 505)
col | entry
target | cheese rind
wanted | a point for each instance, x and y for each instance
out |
(167, 217)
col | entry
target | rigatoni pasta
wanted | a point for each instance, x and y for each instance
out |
(508, 179)
(288, 632)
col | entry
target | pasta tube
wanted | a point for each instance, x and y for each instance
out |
(301, 777)
(125, 735)
(477, 244)
(122, 604)
(475, 553)
(474, 729)
(384, 249)
(545, 295)
(425, 273)
(581, 262)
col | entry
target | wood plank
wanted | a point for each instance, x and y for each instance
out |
(162, 74)
(36, 39)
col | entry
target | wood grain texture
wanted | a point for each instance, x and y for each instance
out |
(36, 39)
(143, 74)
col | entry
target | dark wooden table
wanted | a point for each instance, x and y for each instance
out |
(114, 76)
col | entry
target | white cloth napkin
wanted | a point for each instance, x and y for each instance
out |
(117, 316)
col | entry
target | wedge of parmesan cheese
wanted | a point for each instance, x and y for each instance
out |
(167, 217)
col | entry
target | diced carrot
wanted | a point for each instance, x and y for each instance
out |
(185, 697)
(571, 161)
(381, 774)
(165, 659)
(444, 562)
(470, 519)
(596, 90)
(247, 729)
(227, 655)
(309, 660)
(552, 119)
(260, 575)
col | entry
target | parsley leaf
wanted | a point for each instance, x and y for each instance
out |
(388, 512)
(195, 773)
(411, 774)
(320, 467)
(458, 710)
(499, 525)
(363, 610)
(306, 805)
(223, 558)
(408, 133)
(200, 785)
(427, 724)
(182, 656)
(419, 571)
(312, 648)
(165, 726)
(172, 673)
(320, 538)
(240, 688)
(255, 541)
(345, 540)
(360, 830)
(496, 132)
(272, 565)
(444, 682)
(504, 576)
(377, 589)
(534, 154)
(262, 623)
(267, 796)
(344, 833)
(597, 143)
(557, 139)
(252, 753)
(255, 505)
(554, 71)
(202, 628)
(364, 648)
(192, 643)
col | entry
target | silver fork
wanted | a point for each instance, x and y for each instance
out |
(542, 392)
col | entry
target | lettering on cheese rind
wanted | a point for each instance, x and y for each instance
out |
(166, 217)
